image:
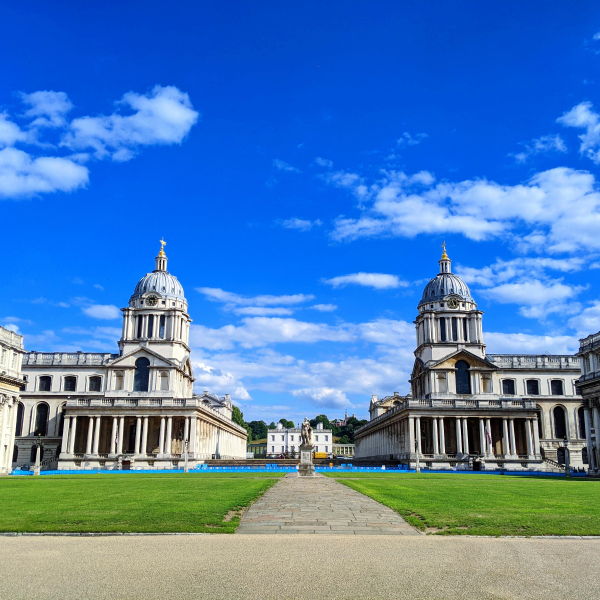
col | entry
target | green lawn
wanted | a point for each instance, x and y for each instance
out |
(207, 502)
(486, 504)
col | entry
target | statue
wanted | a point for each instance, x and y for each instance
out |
(306, 433)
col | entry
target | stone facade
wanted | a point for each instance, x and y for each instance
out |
(285, 441)
(472, 410)
(11, 381)
(132, 409)
(589, 388)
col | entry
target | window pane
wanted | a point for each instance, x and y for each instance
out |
(161, 330)
(556, 387)
(508, 387)
(443, 329)
(150, 325)
(139, 327)
(533, 388)
(95, 383)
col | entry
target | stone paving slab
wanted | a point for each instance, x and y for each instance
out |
(320, 505)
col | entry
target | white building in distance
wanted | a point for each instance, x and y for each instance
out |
(134, 409)
(472, 410)
(11, 381)
(287, 441)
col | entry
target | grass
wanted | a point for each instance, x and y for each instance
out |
(486, 504)
(207, 502)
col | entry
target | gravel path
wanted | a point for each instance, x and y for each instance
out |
(320, 505)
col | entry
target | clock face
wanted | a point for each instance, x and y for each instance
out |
(453, 303)
(151, 300)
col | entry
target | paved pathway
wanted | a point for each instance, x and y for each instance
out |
(320, 505)
(297, 567)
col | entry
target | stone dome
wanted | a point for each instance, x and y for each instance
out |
(445, 284)
(161, 282)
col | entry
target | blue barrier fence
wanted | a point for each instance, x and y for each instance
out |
(275, 468)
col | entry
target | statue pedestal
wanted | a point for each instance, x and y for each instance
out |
(306, 468)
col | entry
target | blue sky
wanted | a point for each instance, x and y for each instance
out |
(304, 162)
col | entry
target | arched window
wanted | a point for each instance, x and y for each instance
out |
(164, 380)
(463, 379)
(45, 383)
(560, 423)
(20, 416)
(581, 422)
(41, 419)
(540, 421)
(142, 375)
(70, 384)
(60, 417)
(95, 384)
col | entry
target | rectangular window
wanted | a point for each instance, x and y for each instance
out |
(556, 387)
(150, 325)
(533, 387)
(139, 328)
(443, 329)
(272, 438)
(326, 438)
(282, 438)
(292, 438)
(161, 328)
(455, 329)
(316, 438)
(272, 448)
(465, 330)
(508, 387)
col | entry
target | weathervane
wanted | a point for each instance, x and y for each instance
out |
(162, 247)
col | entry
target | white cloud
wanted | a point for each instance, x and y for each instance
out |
(11, 327)
(218, 382)
(588, 321)
(300, 224)
(22, 175)
(561, 206)
(324, 397)
(546, 143)
(583, 116)
(102, 311)
(98, 287)
(523, 343)
(219, 295)
(48, 107)
(262, 311)
(378, 281)
(163, 116)
(10, 133)
(406, 139)
(324, 162)
(324, 307)
(283, 166)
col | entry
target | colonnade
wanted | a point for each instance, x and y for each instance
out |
(205, 438)
(428, 436)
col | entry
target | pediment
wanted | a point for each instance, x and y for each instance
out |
(449, 362)
(156, 360)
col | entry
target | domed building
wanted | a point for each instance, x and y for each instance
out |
(472, 410)
(131, 410)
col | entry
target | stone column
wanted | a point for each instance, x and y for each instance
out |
(169, 441)
(113, 439)
(482, 440)
(186, 433)
(442, 437)
(65, 438)
(596, 417)
(529, 440)
(513, 445)
(138, 435)
(411, 435)
(436, 448)
(459, 447)
(465, 437)
(418, 434)
(489, 445)
(536, 437)
(193, 433)
(73, 432)
(97, 435)
(506, 442)
(588, 437)
(161, 437)
(121, 434)
(90, 435)
(144, 448)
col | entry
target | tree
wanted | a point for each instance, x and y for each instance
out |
(237, 416)
(259, 429)
(321, 419)
(287, 424)
(272, 425)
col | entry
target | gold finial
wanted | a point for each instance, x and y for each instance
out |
(162, 247)
(444, 255)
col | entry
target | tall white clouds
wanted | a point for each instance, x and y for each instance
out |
(162, 116)
(583, 116)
